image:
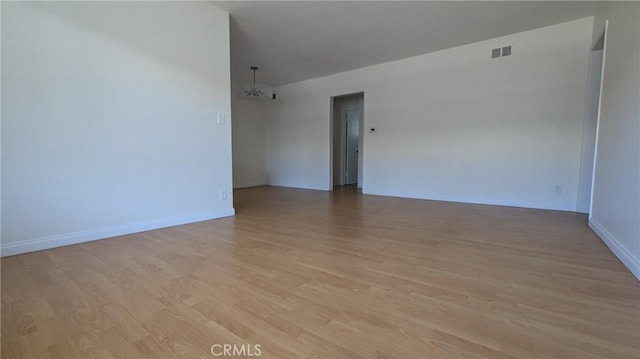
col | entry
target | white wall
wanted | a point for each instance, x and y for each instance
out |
(615, 212)
(452, 125)
(249, 168)
(109, 119)
(298, 141)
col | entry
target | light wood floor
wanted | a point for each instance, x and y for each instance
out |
(315, 274)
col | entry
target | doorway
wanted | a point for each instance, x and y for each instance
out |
(347, 124)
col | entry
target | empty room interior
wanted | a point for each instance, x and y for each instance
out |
(320, 179)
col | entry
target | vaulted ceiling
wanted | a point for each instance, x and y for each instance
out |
(297, 40)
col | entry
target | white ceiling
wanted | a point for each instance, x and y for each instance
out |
(297, 40)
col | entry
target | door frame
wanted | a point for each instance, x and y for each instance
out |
(595, 149)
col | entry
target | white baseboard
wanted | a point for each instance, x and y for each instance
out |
(299, 187)
(469, 200)
(37, 244)
(632, 263)
(249, 185)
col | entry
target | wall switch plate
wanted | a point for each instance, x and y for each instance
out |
(223, 194)
(222, 118)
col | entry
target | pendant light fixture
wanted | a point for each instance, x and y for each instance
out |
(255, 91)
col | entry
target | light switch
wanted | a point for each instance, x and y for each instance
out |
(222, 118)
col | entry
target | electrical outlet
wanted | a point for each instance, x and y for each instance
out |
(222, 118)
(374, 180)
(223, 194)
(557, 189)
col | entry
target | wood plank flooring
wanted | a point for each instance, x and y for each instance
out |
(330, 275)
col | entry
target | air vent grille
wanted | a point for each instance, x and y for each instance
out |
(503, 51)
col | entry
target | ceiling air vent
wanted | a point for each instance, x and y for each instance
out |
(506, 51)
(495, 53)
